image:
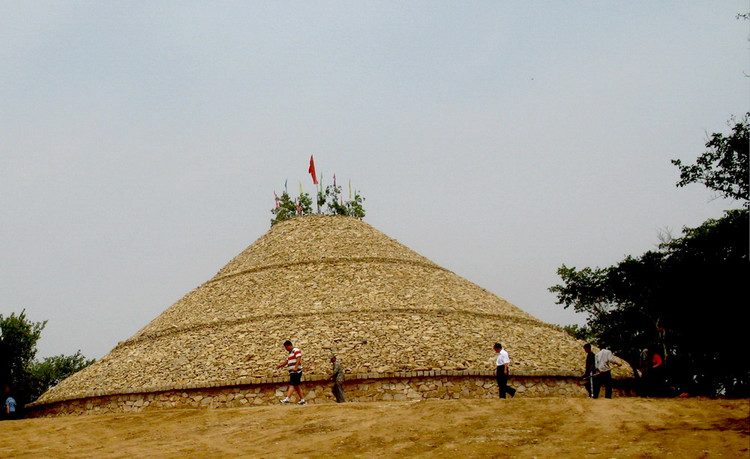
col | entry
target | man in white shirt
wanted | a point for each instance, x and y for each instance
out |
(501, 375)
(604, 361)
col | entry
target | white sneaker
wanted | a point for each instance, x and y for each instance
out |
(285, 401)
(301, 402)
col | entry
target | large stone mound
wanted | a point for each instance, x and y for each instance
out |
(331, 285)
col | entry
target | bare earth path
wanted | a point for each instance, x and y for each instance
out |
(547, 427)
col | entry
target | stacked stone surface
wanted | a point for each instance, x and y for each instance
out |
(331, 285)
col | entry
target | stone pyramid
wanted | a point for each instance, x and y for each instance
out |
(331, 284)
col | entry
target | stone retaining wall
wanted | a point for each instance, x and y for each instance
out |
(359, 388)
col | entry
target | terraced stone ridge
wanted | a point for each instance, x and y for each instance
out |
(331, 284)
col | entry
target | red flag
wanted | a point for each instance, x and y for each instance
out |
(311, 170)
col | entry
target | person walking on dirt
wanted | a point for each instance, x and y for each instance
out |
(588, 373)
(10, 406)
(502, 372)
(604, 361)
(293, 363)
(337, 375)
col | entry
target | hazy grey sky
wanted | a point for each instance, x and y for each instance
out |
(141, 142)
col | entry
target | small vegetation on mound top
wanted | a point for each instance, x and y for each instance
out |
(329, 202)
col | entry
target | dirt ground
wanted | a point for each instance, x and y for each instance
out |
(541, 427)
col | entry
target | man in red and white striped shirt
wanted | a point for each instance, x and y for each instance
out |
(293, 363)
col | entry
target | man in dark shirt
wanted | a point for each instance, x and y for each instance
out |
(588, 374)
(337, 375)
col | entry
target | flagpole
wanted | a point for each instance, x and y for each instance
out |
(320, 192)
(311, 170)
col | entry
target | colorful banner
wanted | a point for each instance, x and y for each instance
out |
(311, 170)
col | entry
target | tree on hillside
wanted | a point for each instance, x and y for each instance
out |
(27, 377)
(50, 371)
(724, 167)
(583, 333)
(686, 299)
(18, 338)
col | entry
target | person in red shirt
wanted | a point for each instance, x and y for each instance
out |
(653, 375)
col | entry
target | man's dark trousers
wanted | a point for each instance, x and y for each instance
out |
(603, 379)
(502, 382)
